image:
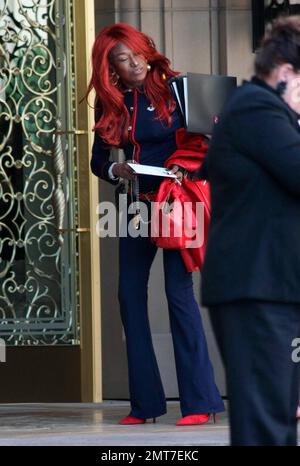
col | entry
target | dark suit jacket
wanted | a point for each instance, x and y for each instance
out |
(253, 166)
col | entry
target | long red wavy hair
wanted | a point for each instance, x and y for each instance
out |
(114, 119)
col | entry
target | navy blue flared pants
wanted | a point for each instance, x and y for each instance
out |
(197, 390)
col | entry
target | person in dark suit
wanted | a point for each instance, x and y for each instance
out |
(251, 275)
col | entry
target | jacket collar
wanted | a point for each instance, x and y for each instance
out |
(127, 90)
(262, 83)
(259, 82)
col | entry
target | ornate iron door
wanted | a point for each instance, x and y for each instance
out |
(38, 175)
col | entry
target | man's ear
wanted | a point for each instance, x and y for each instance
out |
(284, 70)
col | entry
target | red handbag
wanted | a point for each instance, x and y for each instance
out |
(166, 219)
(184, 224)
(180, 215)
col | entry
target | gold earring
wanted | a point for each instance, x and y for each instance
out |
(114, 75)
(148, 67)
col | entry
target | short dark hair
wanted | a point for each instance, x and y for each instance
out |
(281, 44)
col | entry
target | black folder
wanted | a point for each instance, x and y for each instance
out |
(201, 98)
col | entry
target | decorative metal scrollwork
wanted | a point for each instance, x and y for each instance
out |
(38, 302)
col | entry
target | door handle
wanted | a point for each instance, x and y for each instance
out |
(59, 198)
(74, 230)
(77, 132)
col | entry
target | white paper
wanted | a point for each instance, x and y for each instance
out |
(150, 170)
(174, 85)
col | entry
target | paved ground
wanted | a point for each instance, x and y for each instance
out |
(97, 424)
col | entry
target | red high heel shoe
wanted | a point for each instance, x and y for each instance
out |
(133, 420)
(196, 419)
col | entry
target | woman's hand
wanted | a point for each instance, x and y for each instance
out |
(123, 170)
(178, 171)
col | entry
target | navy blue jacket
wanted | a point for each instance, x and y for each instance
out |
(253, 166)
(151, 142)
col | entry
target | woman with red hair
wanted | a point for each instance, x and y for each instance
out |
(136, 111)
